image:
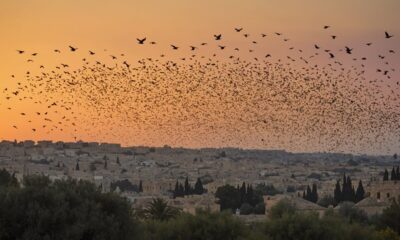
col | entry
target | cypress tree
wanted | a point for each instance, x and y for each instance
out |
(140, 186)
(250, 195)
(360, 192)
(176, 190)
(314, 193)
(243, 193)
(398, 173)
(337, 194)
(105, 164)
(187, 186)
(393, 175)
(118, 161)
(386, 175)
(181, 191)
(198, 187)
(77, 166)
(308, 193)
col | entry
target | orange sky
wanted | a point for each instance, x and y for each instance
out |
(43, 25)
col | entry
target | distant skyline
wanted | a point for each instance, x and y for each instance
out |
(112, 27)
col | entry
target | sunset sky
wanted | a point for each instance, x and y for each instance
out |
(111, 27)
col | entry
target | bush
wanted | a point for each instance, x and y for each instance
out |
(246, 209)
(283, 207)
(203, 225)
(62, 210)
(259, 208)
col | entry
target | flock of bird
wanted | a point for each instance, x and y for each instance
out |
(316, 99)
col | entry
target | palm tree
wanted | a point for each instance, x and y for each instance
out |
(158, 209)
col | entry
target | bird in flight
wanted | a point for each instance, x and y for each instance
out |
(387, 35)
(238, 29)
(326, 27)
(141, 41)
(218, 37)
(73, 49)
(20, 51)
(91, 53)
(174, 47)
(348, 50)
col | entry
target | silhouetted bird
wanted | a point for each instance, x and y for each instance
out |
(387, 35)
(174, 47)
(348, 50)
(238, 29)
(73, 49)
(218, 37)
(141, 41)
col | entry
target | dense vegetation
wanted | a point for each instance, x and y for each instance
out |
(70, 209)
(244, 198)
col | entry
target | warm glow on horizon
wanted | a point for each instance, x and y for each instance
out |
(226, 105)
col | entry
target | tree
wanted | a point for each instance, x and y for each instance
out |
(198, 187)
(283, 207)
(140, 186)
(246, 209)
(63, 209)
(337, 194)
(391, 216)
(314, 194)
(259, 208)
(250, 196)
(393, 174)
(188, 188)
(158, 209)
(360, 192)
(228, 197)
(7, 180)
(77, 166)
(386, 175)
(243, 193)
(118, 162)
(327, 201)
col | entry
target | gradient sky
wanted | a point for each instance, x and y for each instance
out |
(43, 25)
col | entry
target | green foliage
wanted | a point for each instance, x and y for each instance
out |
(246, 209)
(228, 197)
(310, 227)
(158, 209)
(7, 180)
(326, 201)
(269, 189)
(391, 216)
(203, 225)
(259, 208)
(62, 210)
(283, 207)
(348, 211)
(233, 198)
